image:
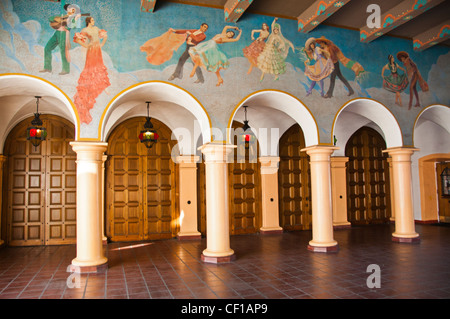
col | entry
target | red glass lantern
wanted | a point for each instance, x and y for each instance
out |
(36, 133)
(247, 136)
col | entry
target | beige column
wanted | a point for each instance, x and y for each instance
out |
(322, 212)
(3, 159)
(104, 238)
(90, 256)
(339, 191)
(269, 198)
(217, 203)
(391, 187)
(188, 197)
(402, 191)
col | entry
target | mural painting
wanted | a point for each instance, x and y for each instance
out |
(93, 51)
(94, 77)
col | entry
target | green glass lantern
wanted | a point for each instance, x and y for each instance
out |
(148, 135)
(36, 133)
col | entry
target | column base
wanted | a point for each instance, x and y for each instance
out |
(218, 260)
(407, 240)
(271, 231)
(342, 226)
(189, 236)
(96, 269)
(324, 249)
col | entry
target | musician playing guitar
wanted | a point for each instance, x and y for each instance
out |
(61, 38)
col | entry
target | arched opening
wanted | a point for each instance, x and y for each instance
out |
(284, 126)
(432, 137)
(274, 113)
(294, 182)
(177, 108)
(186, 121)
(365, 112)
(368, 193)
(18, 102)
(40, 185)
(141, 184)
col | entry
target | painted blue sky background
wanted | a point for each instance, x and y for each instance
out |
(132, 28)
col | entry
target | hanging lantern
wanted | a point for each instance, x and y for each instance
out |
(148, 135)
(36, 133)
(445, 180)
(247, 137)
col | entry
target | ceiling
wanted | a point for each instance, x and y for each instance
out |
(352, 15)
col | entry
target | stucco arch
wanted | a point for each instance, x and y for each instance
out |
(365, 112)
(437, 114)
(431, 135)
(174, 106)
(272, 109)
(17, 102)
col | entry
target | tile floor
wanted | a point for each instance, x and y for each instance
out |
(266, 267)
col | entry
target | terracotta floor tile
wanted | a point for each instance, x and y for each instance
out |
(274, 267)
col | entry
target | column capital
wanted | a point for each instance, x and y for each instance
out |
(90, 151)
(272, 160)
(3, 159)
(187, 160)
(320, 149)
(216, 152)
(400, 150)
(338, 161)
(269, 164)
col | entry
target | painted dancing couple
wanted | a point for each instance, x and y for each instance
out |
(327, 57)
(204, 54)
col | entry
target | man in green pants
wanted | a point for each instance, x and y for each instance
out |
(61, 38)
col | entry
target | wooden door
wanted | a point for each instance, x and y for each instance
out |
(294, 182)
(41, 200)
(367, 178)
(201, 198)
(140, 185)
(244, 176)
(443, 198)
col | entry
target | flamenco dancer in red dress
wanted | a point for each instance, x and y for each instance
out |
(94, 77)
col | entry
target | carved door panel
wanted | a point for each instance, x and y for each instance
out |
(201, 198)
(61, 177)
(244, 188)
(124, 198)
(443, 199)
(26, 193)
(140, 185)
(294, 182)
(367, 178)
(41, 202)
(245, 194)
(160, 197)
